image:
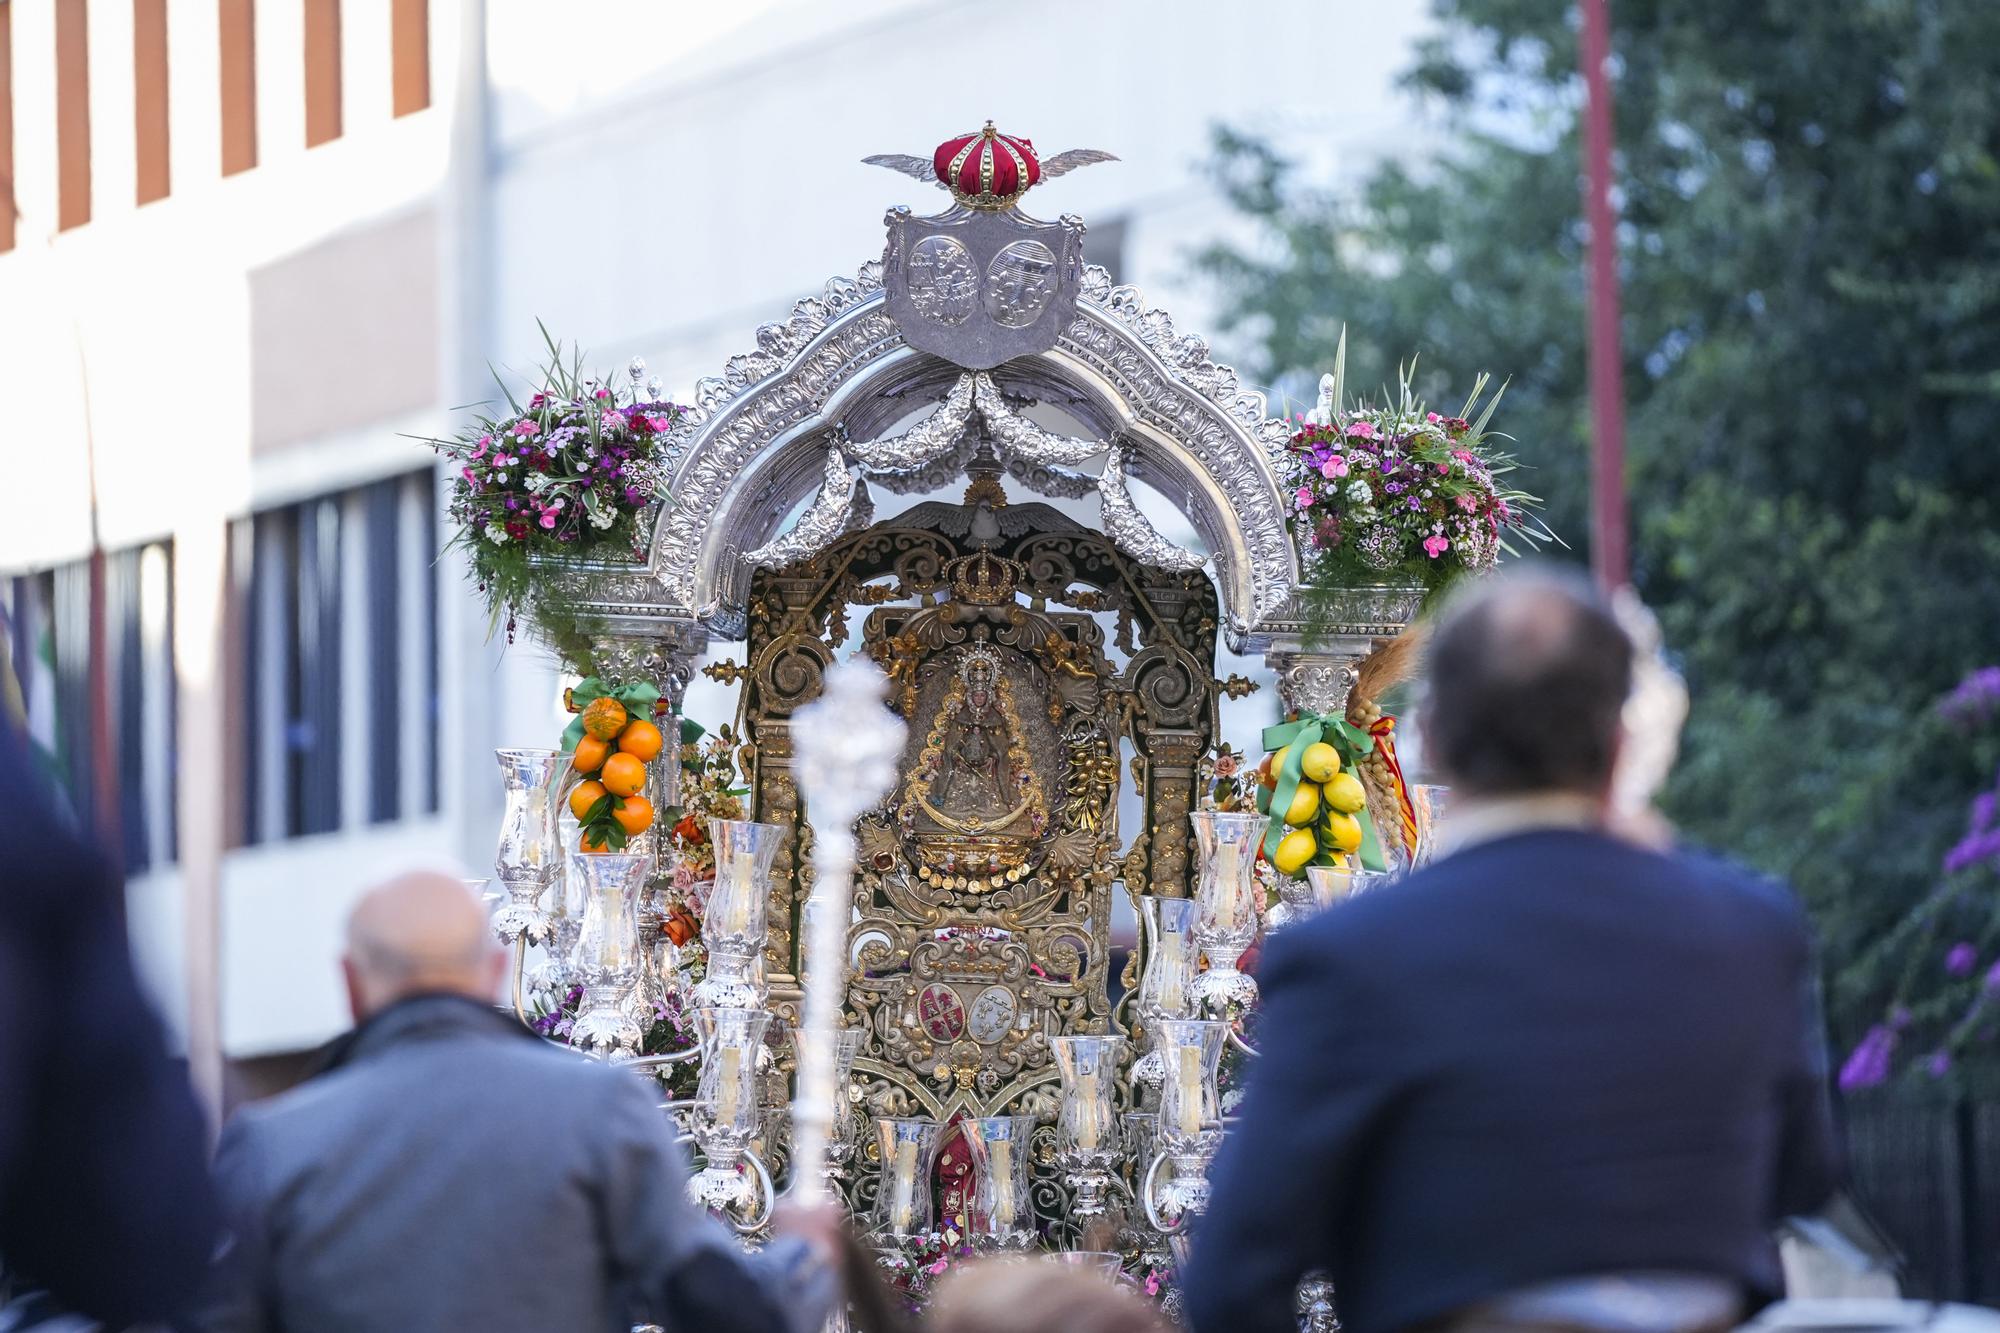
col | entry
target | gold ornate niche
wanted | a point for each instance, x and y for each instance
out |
(1037, 668)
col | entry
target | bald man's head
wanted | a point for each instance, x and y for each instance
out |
(1527, 682)
(418, 933)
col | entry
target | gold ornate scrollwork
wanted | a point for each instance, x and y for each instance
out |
(983, 884)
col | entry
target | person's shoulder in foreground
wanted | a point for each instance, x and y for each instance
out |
(1465, 1075)
(427, 1109)
(104, 1193)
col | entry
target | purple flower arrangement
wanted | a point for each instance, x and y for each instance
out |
(1950, 985)
(566, 474)
(1399, 492)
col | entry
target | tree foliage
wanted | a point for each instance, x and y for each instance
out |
(1810, 258)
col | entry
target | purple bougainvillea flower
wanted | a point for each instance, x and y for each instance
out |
(1868, 1065)
(1939, 1064)
(1960, 959)
(1971, 850)
(1975, 700)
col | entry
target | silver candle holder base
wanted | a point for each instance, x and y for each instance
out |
(1091, 1174)
(1315, 1305)
(729, 983)
(1223, 987)
(521, 916)
(1185, 1194)
(722, 1185)
(604, 1025)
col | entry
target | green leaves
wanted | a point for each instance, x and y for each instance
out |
(1809, 199)
(600, 822)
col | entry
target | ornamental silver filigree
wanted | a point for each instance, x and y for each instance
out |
(1190, 428)
(1019, 438)
(930, 439)
(1130, 529)
(838, 508)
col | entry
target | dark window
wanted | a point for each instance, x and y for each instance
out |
(386, 651)
(245, 561)
(126, 706)
(433, 711)
(297, 617)
(314, 750)
(48, 616)
(149, 97)
(69, 603)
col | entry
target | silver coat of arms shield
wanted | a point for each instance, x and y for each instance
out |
(981, 288)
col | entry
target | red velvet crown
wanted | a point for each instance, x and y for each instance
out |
(987, 169)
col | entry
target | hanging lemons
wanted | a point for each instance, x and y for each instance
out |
(1294, 850)
(1304, 806)
(1319, 762)
(1343, 831)
(1345, 794)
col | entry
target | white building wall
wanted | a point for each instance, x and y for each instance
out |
(643, 178)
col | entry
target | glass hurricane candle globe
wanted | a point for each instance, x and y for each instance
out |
(1166, 984)
(1003, 1213)
(909, 1154)
(726, 1115)
(1226, 905)
(605, 957)
(735, 922)
(526, 860)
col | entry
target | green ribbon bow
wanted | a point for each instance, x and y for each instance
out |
(638, 697)
(1352, 744)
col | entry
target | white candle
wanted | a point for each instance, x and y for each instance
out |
(728, 1091)
(738, 915)
(1089, 1128)
(902, 1205)
(538, 807)
(1173, 979)
(613, 953)
(1228, 887)
(1189, 1122)
(1000, 1161)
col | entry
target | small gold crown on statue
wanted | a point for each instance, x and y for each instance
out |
(979, 654)
(986, 169)
(984, 579)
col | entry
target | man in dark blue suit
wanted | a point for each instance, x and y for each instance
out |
(105, 1201)
(1558, 1079)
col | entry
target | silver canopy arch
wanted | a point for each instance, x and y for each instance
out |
(839, 375)
(819, 409)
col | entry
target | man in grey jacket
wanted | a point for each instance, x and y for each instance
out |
(452, 1171)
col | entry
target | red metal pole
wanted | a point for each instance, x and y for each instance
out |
(1610, 560)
